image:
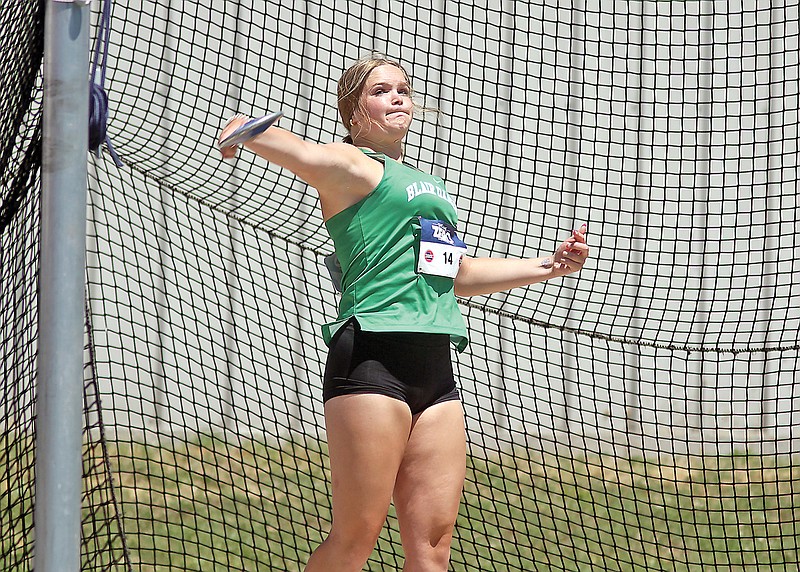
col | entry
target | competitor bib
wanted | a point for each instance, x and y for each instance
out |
(440, 249)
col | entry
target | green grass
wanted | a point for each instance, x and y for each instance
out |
(16, 499)
(731, 513)
(212, 505)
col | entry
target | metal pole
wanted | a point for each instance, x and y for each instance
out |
(62, 275)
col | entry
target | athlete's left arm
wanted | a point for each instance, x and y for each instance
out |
(488, 275)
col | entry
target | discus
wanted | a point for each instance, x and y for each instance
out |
(251, 129)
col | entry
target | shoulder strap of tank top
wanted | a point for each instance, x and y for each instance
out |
(374, 155)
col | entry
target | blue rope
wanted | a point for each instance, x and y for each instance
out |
(98, 100)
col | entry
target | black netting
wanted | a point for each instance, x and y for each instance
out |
(21, 52)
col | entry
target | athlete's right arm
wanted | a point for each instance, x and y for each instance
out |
(341, 174)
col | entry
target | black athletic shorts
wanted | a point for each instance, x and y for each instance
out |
(412, 367)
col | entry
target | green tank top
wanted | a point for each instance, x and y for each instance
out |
(377, 244)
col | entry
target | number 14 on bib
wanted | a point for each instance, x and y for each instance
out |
(440, 248)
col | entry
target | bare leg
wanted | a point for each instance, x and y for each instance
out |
(367, 436)
(429, 485)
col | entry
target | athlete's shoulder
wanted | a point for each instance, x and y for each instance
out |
(346, 155)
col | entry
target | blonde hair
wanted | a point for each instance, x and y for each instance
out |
(351, 87)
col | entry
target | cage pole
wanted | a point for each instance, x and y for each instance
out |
(62, 275)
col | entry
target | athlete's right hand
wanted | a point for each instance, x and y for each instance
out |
(232, 124)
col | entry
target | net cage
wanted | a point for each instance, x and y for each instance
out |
(641, 415)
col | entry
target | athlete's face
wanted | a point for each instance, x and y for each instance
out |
(387, 104)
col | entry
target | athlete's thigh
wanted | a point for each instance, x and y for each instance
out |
(431, 477)
(367, 436)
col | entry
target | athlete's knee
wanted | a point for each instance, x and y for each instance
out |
(431, 553)
(340, 553)
(427, 558)
(355, 540)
